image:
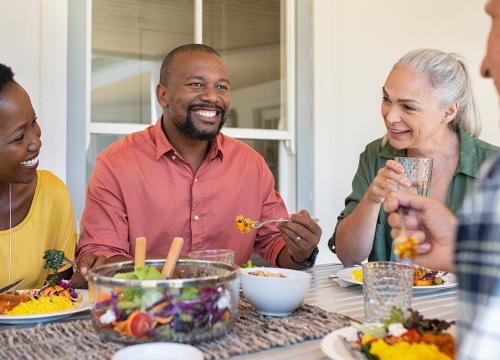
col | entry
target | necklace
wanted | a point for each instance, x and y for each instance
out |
(10, 232)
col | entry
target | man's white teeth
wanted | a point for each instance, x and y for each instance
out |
(206, 113)
(31, 162)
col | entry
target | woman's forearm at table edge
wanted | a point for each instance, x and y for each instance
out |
(355, 233)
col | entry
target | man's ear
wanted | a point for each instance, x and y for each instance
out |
(450, 112)
(162, 95)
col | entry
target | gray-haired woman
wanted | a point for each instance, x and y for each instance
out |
(429, 111)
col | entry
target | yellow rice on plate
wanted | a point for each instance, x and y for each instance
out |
(406, 351)
(43, 305)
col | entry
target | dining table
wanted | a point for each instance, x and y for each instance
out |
(327, 293)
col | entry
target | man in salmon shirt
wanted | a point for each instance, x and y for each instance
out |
(182, 177)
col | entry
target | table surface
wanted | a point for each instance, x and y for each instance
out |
(327, 294)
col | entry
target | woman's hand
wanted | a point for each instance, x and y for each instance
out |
(387, 181)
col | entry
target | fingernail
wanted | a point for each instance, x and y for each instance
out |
(424, 247)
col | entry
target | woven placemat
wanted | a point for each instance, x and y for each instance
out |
(251, 333)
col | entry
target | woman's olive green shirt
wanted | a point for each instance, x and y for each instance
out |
(472, 154)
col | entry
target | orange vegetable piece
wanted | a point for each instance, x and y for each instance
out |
(407, 248)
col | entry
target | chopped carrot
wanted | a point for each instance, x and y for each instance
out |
(163, 320)
(103, 297)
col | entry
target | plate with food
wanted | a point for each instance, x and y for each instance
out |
(423, 279)
(41, 305)
(405, 332)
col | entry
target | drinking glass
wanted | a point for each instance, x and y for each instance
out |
(221, 255)
(419, 172)
(386, 285)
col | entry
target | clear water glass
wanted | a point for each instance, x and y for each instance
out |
(220, 255)
(386, 285)
(419, 172)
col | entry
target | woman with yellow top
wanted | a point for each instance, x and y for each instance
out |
(35, 207)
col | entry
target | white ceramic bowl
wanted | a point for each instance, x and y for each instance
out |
(272, 295)
(159, 351)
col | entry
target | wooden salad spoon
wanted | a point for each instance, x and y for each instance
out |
(140, 251)
(172, 257)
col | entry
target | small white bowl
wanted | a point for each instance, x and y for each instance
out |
(275, 296)
(159, 351)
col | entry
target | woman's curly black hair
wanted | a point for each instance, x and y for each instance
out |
(6, 76)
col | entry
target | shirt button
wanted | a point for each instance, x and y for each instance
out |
(196, 180)
(173, 157)
(196, 217)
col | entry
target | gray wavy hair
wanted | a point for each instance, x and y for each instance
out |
(450, 77)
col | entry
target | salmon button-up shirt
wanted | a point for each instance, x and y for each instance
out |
(141, 186)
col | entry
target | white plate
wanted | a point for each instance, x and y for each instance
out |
(450, 280)
(27, 319)
(333, 347)
(159, 351)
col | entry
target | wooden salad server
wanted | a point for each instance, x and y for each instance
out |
(172, 257)
(140, 251)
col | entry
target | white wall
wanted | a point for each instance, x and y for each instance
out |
(33, 42)
(355, 45)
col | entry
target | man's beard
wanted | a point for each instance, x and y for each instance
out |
(189, 129)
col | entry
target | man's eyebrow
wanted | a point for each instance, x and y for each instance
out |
(197, 77)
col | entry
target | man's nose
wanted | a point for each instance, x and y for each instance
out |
(485, 68)
(210, 94)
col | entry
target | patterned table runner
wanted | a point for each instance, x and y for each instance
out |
(251, 333)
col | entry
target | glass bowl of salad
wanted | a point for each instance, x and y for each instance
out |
(133, 304)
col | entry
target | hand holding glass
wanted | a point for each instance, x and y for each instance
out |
(419, 172)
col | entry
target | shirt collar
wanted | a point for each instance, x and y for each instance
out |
(468, 163)
(163, 146)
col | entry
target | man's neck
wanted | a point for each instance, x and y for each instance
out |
(192, 150)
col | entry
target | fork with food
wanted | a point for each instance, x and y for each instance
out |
(245, 225)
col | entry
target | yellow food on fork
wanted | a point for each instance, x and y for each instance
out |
(244, 225)
(406, 248)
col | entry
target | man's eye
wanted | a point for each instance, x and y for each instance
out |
(222, 87)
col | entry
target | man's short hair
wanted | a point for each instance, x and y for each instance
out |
(6, 76)
(167, 62)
